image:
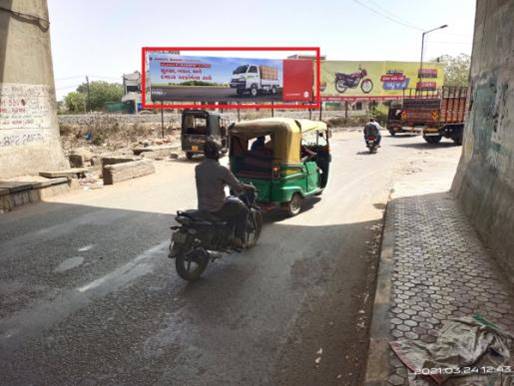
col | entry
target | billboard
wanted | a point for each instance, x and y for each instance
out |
(173, 77)
(353, 80)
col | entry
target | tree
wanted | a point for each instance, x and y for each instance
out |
(101, 92)
(75, 102)
(456, 71)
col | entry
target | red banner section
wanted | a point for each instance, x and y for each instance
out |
(298, 80)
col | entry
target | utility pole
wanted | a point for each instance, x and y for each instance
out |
(162, 119)
(422, 48)
(88, 95)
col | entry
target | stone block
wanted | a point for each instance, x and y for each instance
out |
(126, 171)
(118, 159)
(155, 152)
(70, 173)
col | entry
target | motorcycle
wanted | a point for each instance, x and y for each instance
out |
(346, 81)
(202, 237)
(371, 143)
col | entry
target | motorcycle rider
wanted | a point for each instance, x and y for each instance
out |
(373, 128)
(211, 179)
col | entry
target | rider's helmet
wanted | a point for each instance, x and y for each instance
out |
(211, 149)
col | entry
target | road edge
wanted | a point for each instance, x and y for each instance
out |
(377, 367)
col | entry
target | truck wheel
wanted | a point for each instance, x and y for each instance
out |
(433, 139)
(240, 91)
(254, 91)
(392, 132)
(189, 155)
(457, 140)
(457, 136)
(295, 205)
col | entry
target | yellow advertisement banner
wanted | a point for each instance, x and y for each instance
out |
(354, 80)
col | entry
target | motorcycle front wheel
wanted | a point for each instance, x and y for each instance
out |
(340, 86)
(192, 264)
(253, 228)
(366, 86)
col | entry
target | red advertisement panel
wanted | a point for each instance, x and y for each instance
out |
(298, 80)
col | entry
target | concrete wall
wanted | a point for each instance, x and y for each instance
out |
(485, 178)
(29, 133)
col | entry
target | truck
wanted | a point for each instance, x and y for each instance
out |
(255, 79)
(436, 114)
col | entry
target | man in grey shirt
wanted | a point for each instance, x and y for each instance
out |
(211, 179)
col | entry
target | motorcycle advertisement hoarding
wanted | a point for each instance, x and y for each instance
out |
(173, 77)
(352, 80)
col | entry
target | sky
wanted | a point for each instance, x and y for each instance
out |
(103, 38)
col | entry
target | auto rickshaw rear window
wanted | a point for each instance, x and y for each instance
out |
(195, 125)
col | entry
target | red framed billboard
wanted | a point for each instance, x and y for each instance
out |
(291, 83)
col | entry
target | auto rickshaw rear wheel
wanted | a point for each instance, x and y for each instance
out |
(294, 206)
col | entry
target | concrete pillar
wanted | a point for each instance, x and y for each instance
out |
(485, 178)
(29, 132)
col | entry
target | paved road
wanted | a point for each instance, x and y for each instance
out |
(212, 94)
(88, 296)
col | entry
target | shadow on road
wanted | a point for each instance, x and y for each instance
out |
(124, 303)
(278, 214)
(423, 145)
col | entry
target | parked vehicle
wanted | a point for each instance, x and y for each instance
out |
(346, 81)
(202, 237)
(371, 143)
(291, 166)
(436, 114)
(255, 79)
(197, 126)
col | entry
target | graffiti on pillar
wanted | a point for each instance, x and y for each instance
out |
(25, 113)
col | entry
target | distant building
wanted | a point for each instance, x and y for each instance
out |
(132, 91)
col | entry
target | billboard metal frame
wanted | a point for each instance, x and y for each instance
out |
(295, 105)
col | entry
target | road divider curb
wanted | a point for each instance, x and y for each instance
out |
(377, 368)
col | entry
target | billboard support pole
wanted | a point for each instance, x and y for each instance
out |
(320, 110)
(162, 119)
(346, 110)
(272, 110)
(238, 113)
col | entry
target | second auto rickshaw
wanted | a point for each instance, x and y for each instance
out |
(286, 159)
(197, 126)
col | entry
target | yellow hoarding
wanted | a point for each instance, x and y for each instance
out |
(352, 80)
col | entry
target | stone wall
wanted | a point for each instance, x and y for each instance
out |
(173, 119)
(29, 132)
(484, 182)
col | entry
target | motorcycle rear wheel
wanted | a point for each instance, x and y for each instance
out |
(192, 264)
(340, 86)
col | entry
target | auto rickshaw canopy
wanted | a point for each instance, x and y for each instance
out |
(286, 134)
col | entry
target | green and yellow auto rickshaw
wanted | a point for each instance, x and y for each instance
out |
(286, 159)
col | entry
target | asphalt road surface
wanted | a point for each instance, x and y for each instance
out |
(89, 297)
(210, 94)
